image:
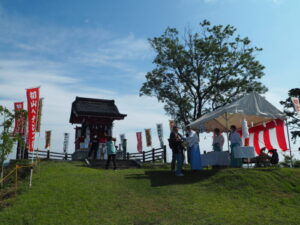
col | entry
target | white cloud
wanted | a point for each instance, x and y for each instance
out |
(49, 56)
(276, 1)
(142, 112)
(80, 45)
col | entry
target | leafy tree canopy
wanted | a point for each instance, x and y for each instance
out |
(294, 119)
(200, 72)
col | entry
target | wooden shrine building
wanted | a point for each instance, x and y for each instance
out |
(94, 117)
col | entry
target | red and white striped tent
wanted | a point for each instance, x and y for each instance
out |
(265, 121)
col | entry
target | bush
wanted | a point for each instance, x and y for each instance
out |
(297, 163)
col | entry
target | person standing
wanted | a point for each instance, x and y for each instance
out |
(235, 142)
(193, 149)
(102, 143)
(218, 140)
(176, 144)
(111, 152)
(93, 147)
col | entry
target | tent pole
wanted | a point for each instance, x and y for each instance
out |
(227, 132)
(288, 134)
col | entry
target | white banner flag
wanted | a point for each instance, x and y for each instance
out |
(66, 142)
(159, 128)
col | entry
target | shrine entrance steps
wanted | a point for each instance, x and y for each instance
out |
(121, 164)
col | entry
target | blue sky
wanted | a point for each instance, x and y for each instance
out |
(100, 49)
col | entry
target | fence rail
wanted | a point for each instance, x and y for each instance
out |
(49, 155)
(152, 155)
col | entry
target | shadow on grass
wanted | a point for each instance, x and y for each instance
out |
(163, 177)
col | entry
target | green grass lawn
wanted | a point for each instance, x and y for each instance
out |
(69, 193)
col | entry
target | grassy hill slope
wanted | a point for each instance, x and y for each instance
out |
(69, 193)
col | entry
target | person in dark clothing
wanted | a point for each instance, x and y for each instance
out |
(176, 144)
(275, 158)
(94, 145)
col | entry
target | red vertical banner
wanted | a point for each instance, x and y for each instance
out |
(139, 141)
(32, 108)
(19, 120)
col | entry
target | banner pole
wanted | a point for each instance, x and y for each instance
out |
(31, 170)
(227, 132)
(2, 155)
(288, 134)
(38, 143)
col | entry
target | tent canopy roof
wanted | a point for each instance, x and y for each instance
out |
(252, 107)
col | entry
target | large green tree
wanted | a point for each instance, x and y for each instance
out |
(293, 117)
(201, 71)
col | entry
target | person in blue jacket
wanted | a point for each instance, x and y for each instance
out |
(111, 152)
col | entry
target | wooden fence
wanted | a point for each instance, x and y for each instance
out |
(50, 155)
(152, 155)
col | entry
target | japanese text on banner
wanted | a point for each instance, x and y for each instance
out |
(32, 107)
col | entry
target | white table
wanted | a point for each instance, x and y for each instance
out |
(215, 159)
(244, 152)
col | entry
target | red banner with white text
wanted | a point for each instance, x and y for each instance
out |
(32, 107)
(139, 141)
(19, 120)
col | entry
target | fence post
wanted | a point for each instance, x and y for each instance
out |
(165, 154)
(144, 158)
(127, 155)
(66, 156)
(153, 155)
(48, 154)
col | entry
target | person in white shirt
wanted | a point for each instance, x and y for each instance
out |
(235, 142)
(218, 140)
(192, 140)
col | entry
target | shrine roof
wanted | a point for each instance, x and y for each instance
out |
(94, 108)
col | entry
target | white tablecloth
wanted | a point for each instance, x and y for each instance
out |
(244, 152)
(215, 159)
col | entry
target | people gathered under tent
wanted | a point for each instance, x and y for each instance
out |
(192, 140)
(176, 144)
(235, 142)
(264, 159)
(218, 140)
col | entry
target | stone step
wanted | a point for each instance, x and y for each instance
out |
(120, 164)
